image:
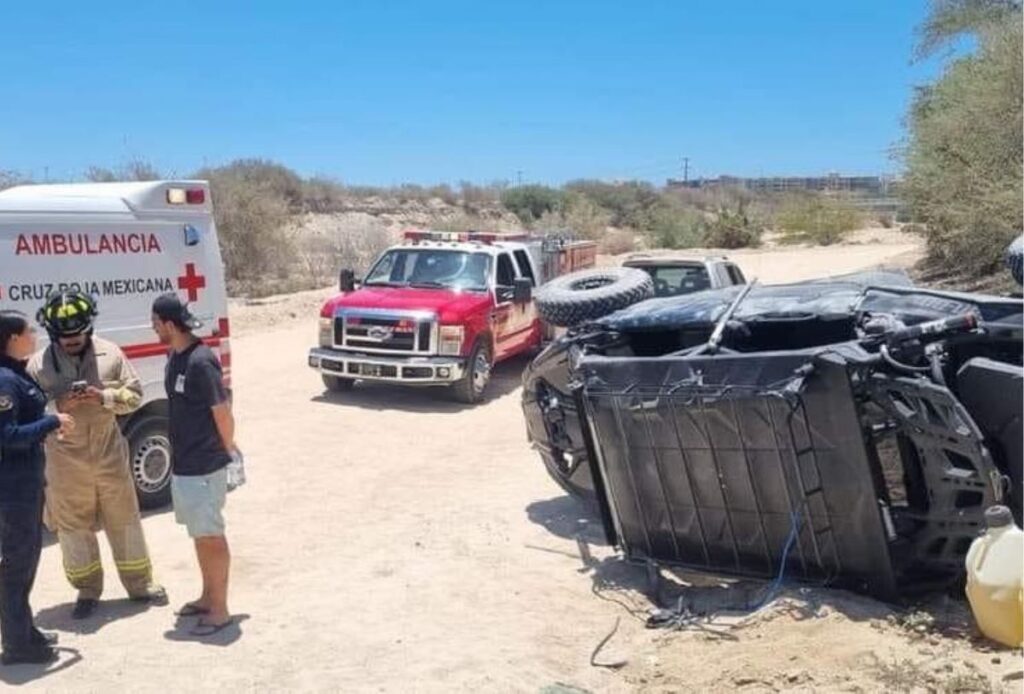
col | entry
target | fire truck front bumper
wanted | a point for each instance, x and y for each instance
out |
(419, 371)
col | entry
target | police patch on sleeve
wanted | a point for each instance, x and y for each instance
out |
(6, 403)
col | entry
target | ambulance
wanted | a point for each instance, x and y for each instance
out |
(125, 244)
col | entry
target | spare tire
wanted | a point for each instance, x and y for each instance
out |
(590, 294)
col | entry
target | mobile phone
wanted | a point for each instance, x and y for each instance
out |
(79, 387)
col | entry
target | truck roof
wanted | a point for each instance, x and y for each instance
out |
(671, 260)
(472, 242)
(465, 246)
(124, 198)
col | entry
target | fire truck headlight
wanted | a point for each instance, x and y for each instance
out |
(451, 337)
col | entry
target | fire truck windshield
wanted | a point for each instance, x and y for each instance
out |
(431, 268)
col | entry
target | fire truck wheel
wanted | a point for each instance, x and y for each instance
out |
(336, 384)
(471, 387)
(590, 294)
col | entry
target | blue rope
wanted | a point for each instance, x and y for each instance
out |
(795, 520)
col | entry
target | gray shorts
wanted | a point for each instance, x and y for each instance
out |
(199, 502)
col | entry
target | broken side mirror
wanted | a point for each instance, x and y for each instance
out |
(522, 291)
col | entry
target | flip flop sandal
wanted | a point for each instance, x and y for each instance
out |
(190, 609)
(203, 630)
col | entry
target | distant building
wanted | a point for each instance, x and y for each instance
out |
(881, 186)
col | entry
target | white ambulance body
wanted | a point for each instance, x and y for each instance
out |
(125, 244)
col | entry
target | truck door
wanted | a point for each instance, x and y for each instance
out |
(513, 323)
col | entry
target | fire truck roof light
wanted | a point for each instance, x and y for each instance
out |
(416, 235)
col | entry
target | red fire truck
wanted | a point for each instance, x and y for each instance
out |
(441, 309)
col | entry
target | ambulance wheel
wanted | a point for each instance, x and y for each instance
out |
(150, 460)
(336, 384)
(471, 387)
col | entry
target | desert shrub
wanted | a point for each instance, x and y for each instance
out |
(269, 177)
(473, 195)
(444, 192)
(965, 156)
(131, 170)
(462, 221)
(675, 226)
(322, 194)
(530, 203)
(251, 214)
(617, 242)
(629, 204)
(816, 219)
(321, 255)
(733, 227)
(584, 218)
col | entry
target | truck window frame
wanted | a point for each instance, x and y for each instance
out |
(500, 288)
(525, 268)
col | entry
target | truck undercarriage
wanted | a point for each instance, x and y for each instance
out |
(858, 427)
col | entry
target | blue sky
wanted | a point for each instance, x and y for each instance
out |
(388, 92)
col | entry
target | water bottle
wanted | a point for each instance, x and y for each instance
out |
(236, 470)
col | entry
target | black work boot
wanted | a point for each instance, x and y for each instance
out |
(43, 638)
(34, 655)
(84, 608)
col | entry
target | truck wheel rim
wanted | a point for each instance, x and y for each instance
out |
(151, 463)
(481, 372)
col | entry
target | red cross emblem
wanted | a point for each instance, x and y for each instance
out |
(191, 282)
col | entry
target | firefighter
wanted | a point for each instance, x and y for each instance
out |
(89, 483)
(23, 426)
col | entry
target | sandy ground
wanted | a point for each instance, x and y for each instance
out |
(390, 540)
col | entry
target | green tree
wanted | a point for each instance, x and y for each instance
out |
(965, 159)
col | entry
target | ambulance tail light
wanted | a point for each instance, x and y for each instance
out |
(186, 196)
(224, 335)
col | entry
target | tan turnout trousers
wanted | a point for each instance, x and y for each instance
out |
(88, 478)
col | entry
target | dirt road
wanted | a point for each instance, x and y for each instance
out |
(391, 540)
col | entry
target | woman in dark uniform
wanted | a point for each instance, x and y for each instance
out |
(23, 426)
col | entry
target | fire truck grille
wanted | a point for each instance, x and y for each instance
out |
(383, 334)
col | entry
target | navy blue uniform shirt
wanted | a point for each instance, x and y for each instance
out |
(23, 426)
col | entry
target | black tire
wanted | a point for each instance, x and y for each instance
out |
(579, 485)
(590, 294)
(337, 384)
(472, 387)
(149, 458)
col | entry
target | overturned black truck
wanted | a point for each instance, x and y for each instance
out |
(854, 428)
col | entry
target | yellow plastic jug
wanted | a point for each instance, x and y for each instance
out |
(995, 579)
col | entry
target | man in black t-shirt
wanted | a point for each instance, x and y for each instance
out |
(202, 443)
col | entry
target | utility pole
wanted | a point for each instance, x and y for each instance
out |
(686, 169)
(519, 177)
